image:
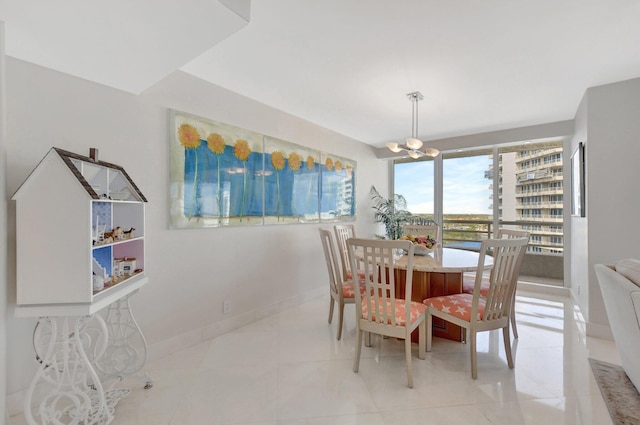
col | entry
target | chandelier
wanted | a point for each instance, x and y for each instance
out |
(413, 145)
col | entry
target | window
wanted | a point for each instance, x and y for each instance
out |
(414, 181)
(506, 186)
(551, 159)
(467, 203)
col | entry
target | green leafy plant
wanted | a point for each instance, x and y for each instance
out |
(391, 212)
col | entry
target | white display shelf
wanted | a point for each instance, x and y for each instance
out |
(62, 208)
(102, 300)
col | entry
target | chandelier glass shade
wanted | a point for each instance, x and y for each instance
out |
(413, 145)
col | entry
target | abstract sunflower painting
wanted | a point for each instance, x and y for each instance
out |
(222, 175)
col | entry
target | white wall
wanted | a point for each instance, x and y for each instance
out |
(259, 269)
(3, 237)
(608, 123)
(578, 277)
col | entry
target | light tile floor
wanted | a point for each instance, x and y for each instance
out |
(289, 369)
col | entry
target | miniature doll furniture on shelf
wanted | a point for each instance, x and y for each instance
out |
(67, 272)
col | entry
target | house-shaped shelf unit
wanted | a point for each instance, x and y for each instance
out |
(63, 210)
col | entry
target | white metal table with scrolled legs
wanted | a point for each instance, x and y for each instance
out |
(82, 358)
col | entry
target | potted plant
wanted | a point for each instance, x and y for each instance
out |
(391, 212)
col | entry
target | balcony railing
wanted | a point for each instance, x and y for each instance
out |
(456, 231)
(545, 262)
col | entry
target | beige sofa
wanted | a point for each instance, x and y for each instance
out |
(620, 286)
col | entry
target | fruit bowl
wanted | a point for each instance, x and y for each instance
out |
(421, 249)
(423, 245)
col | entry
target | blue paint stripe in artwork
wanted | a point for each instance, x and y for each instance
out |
(223, 186)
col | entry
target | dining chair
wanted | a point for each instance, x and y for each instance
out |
(468, 282)
(344, 232)
(431, 230)
(342, 291)
(476, 312)
(377, 308)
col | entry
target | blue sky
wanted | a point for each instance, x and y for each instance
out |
(465, 189)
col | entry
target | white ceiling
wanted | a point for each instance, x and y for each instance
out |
(348, 64)
(126, 44)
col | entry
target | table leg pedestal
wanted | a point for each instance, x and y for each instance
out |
(433, 284)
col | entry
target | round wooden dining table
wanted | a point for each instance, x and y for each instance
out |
(439, 273)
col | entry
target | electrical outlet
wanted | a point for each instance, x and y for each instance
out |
(226, 307)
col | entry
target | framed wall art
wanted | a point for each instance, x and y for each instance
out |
(222, 175)
(577, 181)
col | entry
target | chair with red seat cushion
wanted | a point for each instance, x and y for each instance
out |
(475, 312)
(342, 291)
(377, 308)
(468, 282)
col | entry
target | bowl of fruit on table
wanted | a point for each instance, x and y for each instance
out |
(423, 245)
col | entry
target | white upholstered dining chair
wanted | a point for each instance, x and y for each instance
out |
(341, 291)
(377, 308)
(476, 312)
(469, 281)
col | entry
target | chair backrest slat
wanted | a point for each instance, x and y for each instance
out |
(344, 232)
(503, 233)
(333, 267)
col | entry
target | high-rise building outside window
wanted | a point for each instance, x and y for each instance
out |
(536, 188)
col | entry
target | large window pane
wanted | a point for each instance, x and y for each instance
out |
(414, 181)
(525, 192)
(466, 199)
